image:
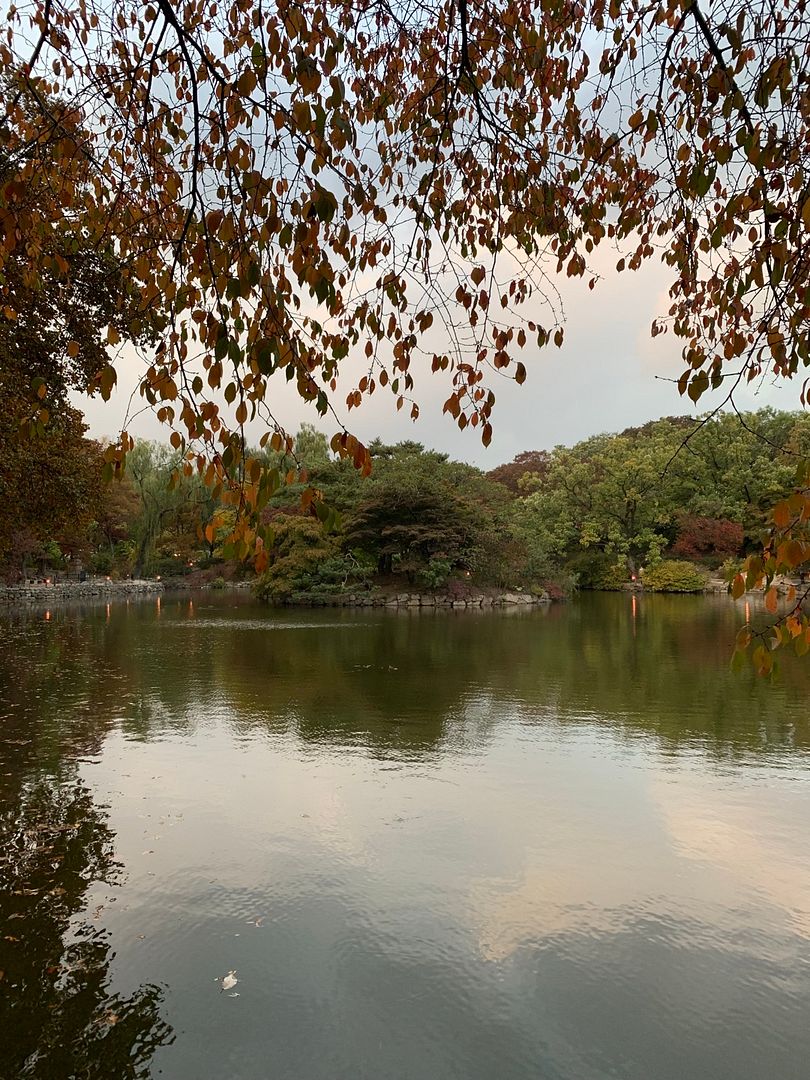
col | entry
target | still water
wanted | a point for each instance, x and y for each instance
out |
(552, 845)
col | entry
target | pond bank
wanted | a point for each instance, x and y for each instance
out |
(40, 593)
(415, 600)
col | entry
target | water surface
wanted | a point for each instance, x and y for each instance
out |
(564, 844)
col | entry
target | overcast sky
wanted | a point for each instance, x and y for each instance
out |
(603, 379)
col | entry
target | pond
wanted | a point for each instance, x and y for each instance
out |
(565, 844)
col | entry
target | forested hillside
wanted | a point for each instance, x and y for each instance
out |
(591, 515)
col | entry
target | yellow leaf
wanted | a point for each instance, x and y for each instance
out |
(738, 586)
(743, 638)
(763, 661)
(73, 349)
(771, 600)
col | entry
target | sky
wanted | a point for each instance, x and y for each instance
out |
(602, 379)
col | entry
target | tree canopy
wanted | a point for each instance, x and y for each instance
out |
(298, 185)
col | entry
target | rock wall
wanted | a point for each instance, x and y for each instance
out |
(76, 590)
(423, 600)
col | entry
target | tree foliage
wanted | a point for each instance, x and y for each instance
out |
(297, 188)
(418, 507)
(704, 537)
(524, 469)
(50, 486)
(698, 488)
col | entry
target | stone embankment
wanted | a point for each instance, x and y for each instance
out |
(423, 600)
(55, 592)
(717, 586)
(782, 584)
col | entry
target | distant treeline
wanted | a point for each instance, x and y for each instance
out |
(650, 499)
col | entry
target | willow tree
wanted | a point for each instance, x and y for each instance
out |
(326, 187)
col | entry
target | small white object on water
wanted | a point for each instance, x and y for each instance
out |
(229, 981)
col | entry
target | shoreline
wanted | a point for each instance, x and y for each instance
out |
(41, 594)
(416, 600)
(65, 591)
(55, 592)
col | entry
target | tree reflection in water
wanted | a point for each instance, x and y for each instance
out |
(58, 1015)
(60, 1018)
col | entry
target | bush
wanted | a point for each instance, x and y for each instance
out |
(337, 575)
(730, 568)
(52, 554)
(100, 562)
(435, 574)
(596, 570)
(307, 566)
(168, 566)
(558, 587)
(218, 583)
(709, 539)
(675, 576)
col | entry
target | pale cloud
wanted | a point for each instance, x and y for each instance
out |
(744, 841)
(603, 379)
(547, 902)
(695, 850)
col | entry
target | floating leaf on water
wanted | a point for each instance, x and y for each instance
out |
(227, 982)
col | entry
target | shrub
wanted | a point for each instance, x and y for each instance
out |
(307, 565)
(730, 568)
(338, 574)
(100, 562)
(168, 566)
(709, 539)
(52, 554)
(218, 583)
(675, 576)
(300, 547)
(612, 577)
(558, 587)
(596, 570)
(435, 574)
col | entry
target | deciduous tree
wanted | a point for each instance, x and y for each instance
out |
(315, 182)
